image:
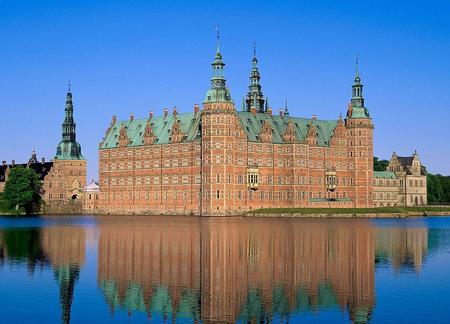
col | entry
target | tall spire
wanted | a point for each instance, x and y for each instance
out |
(255, 96)
(218, 39)
(218, 92)
(357, 88)
(357, 102)
(68, 148)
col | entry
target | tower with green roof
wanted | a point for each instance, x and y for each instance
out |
(69, 148)
(68, 161)
(360, 147)
(218, 126)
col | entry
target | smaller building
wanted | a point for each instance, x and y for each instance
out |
(42, 168)
(386, 188)
(404, 183)
(90, 196)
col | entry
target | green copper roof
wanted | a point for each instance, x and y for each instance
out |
(161, 127)
(384, 175)
(69, 148)
(360, 112)
(252, 125)
(218, 91)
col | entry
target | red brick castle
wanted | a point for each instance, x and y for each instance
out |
(221, 161)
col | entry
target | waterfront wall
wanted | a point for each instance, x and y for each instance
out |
(62, 207)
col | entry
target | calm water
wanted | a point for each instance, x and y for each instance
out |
(140, 269)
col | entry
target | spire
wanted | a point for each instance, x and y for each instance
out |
(218, 40)
(68, 148)
(286, 111)
(357, 79)
(218, 92)
(255, 96)
(357, 101)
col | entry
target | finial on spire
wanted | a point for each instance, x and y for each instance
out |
(356, 65)
(286, 106)
(218, 38)
(69, 86)
(254, 49)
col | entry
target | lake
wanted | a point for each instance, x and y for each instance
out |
(172, 269)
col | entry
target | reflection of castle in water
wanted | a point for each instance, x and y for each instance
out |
(403, 247)
(224, 270)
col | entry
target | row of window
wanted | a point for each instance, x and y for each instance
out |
(222, 159)
(220, 194)
(220, 178)
(384, 195)
(387, 183)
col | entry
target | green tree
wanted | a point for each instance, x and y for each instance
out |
(379, 165)
(438, 188)
(22, 190)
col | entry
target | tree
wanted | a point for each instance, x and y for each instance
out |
(379, 165)
(438, 188)
(22, 189)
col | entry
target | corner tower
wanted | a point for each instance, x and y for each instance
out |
(218, 126)
(360, 145)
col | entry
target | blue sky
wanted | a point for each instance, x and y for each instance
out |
(124, 57)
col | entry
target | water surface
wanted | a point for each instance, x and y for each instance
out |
(185, 270)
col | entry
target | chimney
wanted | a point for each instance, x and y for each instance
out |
(3, 163)
(196, 109)
(43, 160)
(269, 111)
(150, 115)
(13, 162)
(114, 119)
(314, 116)
(166, 112)
(131, 117)
(281, 113)
(174, 111)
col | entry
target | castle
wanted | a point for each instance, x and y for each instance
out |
(217, 160)
(221, 161)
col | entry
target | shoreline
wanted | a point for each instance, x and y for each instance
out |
(304, 215)
(347, 215)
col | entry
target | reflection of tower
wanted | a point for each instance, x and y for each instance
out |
(65, 248)
(66, 276)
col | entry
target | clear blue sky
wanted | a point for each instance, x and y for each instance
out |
(137, 56)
